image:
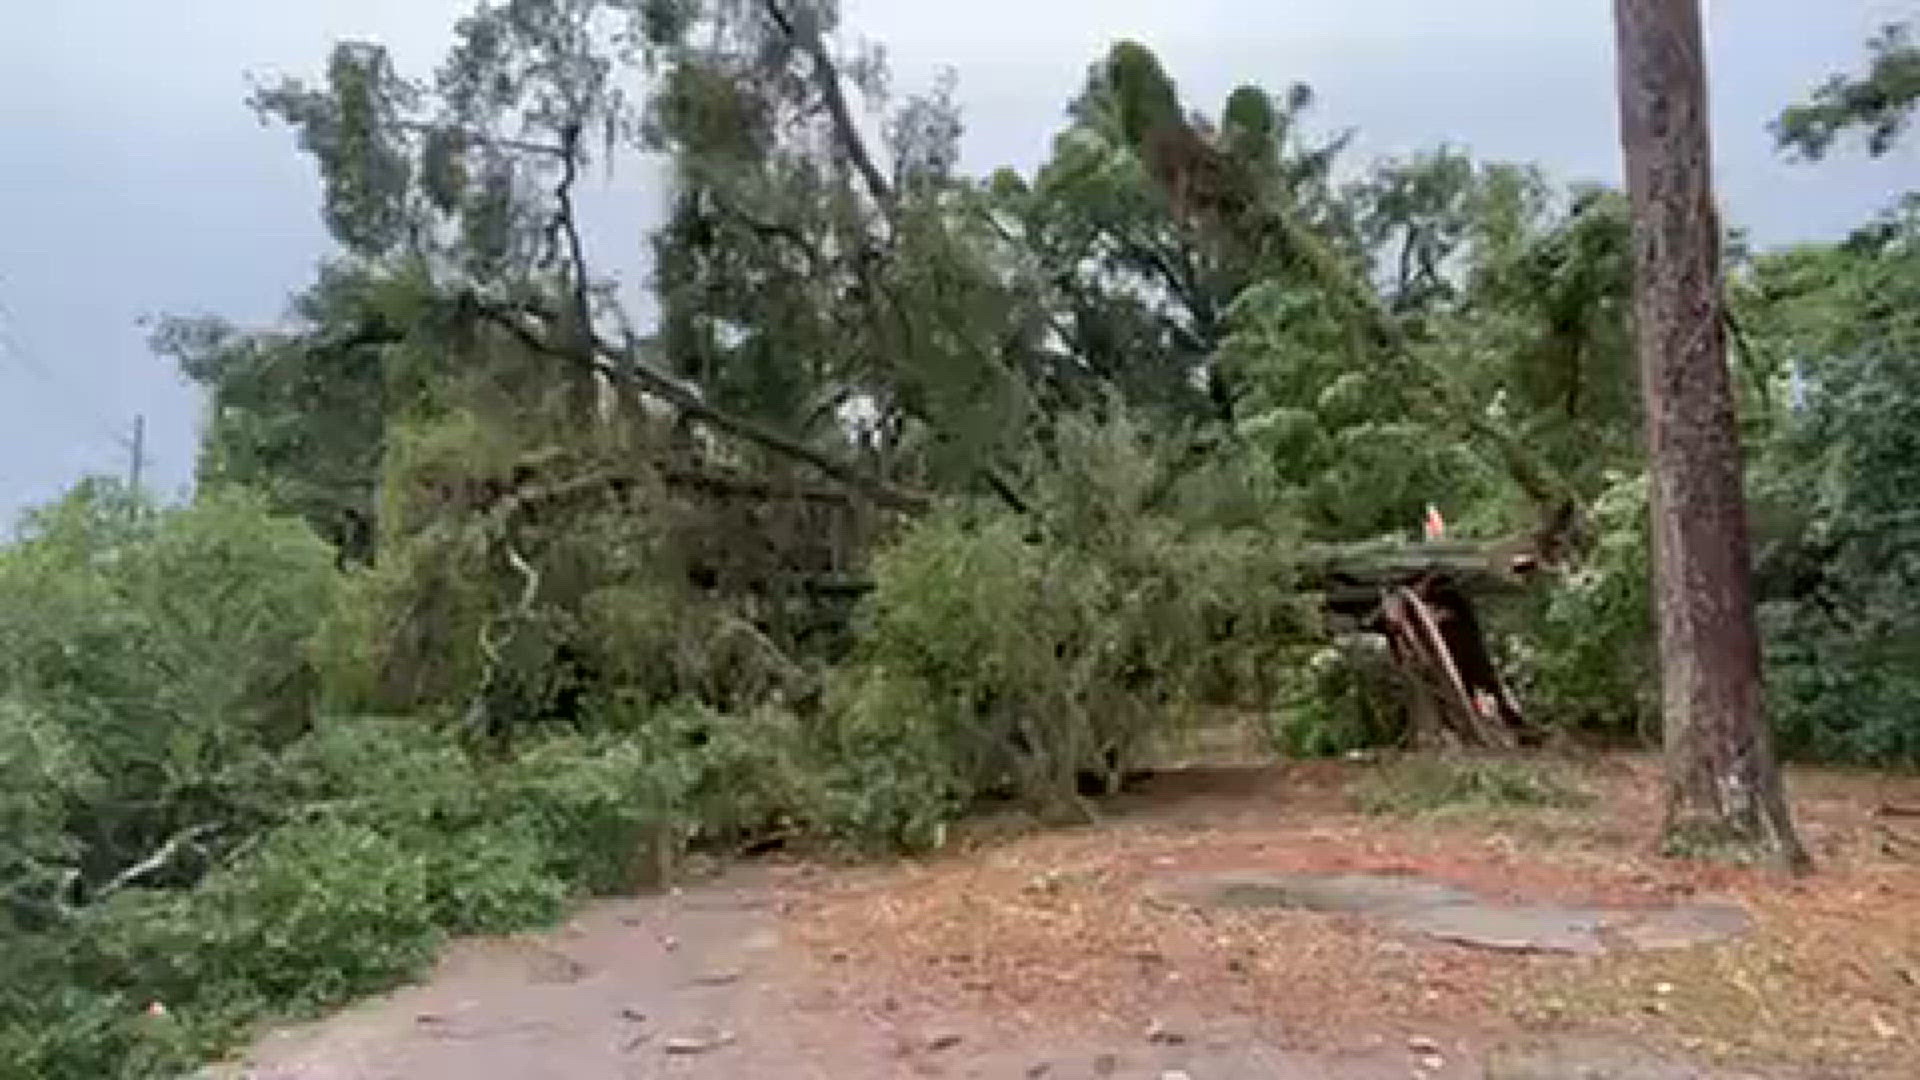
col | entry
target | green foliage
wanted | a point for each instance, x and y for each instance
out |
(894, 780)
(147, 660)
(175, 832)
(314, 914)
(1513, 298)
(349, 129)
(1839, 695)
(1138, 300)
(385, 838)
(1839, 539)
(58, 1031)
(988, 635)
(1027, 661)
(595, 582)
(150, 662)
(616, 811)
(483, 864)
(44, 774)
(301, 417)
(1586, 646)
(1421, 784)
(1881, 100)
(1145, 95)
(1337, 698)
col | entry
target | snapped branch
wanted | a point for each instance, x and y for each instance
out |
(620, 363)
(826, 77)
(159, 860)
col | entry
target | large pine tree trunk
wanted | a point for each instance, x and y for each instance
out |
(1723, 781)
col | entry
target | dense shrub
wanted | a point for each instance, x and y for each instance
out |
(1019, 665)
(894, 776)
(176, 826)
(149, 662)
(55, 1030)
(1836, 520)
(484, 870)
(390, 838)
(1584, 648)
(1337, 698)
(1838, 692)
(315, 913)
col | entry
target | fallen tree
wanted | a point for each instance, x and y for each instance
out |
(1421, 596)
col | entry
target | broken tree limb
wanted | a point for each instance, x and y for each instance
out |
(1435, 637)
(1209, 191)
(159, 860)
(479, 718)
(1501, 566)
(801, 29)
(1426, 625)
(1353, 578)
(623, 365)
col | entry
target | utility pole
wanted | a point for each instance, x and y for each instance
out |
(137, 454)
(1723, 782)
(136, 448)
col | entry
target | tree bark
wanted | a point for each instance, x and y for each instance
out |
(1723, 782)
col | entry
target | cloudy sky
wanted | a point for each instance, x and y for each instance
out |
(136, 182)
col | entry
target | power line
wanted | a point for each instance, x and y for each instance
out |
(77, 406)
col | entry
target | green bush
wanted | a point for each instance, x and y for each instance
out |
(312, 916)
(1336, 698)
(486, 869)
(360, 847)
(617, 809)
(601, 810)
(1836, 520)
(317, 913)
(1584, 647)
(893, 783)
(1837, 693)
(392, 839)
(494, 880)
(1018, 664)
(149, 661)
(55, 1031)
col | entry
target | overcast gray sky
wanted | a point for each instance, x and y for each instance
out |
(135, 181)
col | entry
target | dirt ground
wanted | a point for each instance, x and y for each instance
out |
(1024, 952)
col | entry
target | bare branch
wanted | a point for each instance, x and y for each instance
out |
(1003, 488)
(531, 576)
(826, 76)
(476, 721)
(421, 127)
(563, 220)
(790, 672)
(159, 860)
(620, 363)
